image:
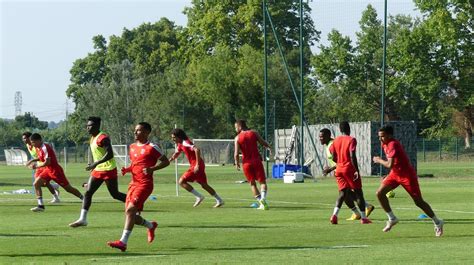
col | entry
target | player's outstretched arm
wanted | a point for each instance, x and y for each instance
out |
(355, 164)
(32, 161)
(264, 143)
(47, 162)
(197, 151)
(236, 153)
(109, 154)
(174, 156)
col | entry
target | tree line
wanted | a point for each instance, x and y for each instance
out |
(206, 74)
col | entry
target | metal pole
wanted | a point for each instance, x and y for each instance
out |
(457, 149)
(301, 87)
(176, 168)
(424, 150)
(382, 101)
(439, 149)
(265, 81)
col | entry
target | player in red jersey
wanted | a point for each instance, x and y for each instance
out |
(345, 193)
(343, 150)
(401, 173)
(196, 171)
(25, 137)
(51, 170)
(143, 156)
(246, 142)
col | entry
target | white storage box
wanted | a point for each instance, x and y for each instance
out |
(292, 177)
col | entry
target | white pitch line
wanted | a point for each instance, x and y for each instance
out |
(131, 257)
(108, 199)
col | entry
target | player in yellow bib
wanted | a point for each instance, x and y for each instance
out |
(326, 140)
(25, 137)
(103, 169)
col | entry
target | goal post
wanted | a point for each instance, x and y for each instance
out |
(121, 155)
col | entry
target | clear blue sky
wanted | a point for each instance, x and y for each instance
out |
(40, 40)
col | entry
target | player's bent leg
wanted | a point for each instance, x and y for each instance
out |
(381, 196)
(73, 191)
(150, 225)
(112, 187)
(361, 204)
(92, 186)
(438, 223)
(211, 191)
(39, 182)
(130, 214)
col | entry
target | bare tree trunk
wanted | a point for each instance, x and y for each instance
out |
(468, 121)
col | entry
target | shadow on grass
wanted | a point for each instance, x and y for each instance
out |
(221, 226)
(5, 184)
(277, 248)
(30, 235)
(91, 254)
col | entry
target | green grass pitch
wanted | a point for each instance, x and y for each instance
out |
(296, 229)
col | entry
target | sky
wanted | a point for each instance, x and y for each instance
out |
(40, 40)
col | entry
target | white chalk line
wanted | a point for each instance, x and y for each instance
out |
(130, 257)
(329, 205)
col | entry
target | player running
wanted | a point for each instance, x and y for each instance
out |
(103, 168)
(32, 150)
(196, 171)
(327, 141)
(401, 173)
(143, 155)
(246, 142)
(343, 150)
(50, 170)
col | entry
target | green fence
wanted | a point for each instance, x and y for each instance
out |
(452, 149)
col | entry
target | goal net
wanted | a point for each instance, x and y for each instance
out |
(121, 155)
(214, 152)
(15, 157)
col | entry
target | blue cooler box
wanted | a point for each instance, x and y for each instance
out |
(279, 169)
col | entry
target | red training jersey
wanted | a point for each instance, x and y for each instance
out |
(247, 141)
(187, 146)
(401, 164)
(46, 151)
(143, 156)
(341, 149)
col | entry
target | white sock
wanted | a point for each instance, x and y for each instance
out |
(362, 215)
(196, 193)
(147, 224)
(258, 197)
(40, 201)
(391, 216)
(264, 195)
(125, 235)
(218, 199)
(355, 211)
(436, 221)
(336, 211)
(83, 216)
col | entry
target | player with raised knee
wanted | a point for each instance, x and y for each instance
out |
(326, 140)
(247, 141)
(34, 155)
(401, 173)
(144, 156)
(50, 170)
(196, 171)
(343, 150)
(103, 169)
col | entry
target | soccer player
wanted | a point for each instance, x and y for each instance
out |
(103, 168)
(144, 156)
(32, 150)
(343, 150)
(196, 171)
(401, 173)
(246, 142)
(326, 140)
(50, 170)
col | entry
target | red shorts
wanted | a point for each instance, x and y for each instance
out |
(137, 195)
(341, 182)
(54, 173)
(348, 176)
(254, 171)
(105, 175)
(409, 183)
(38, 171)
(199, 177)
